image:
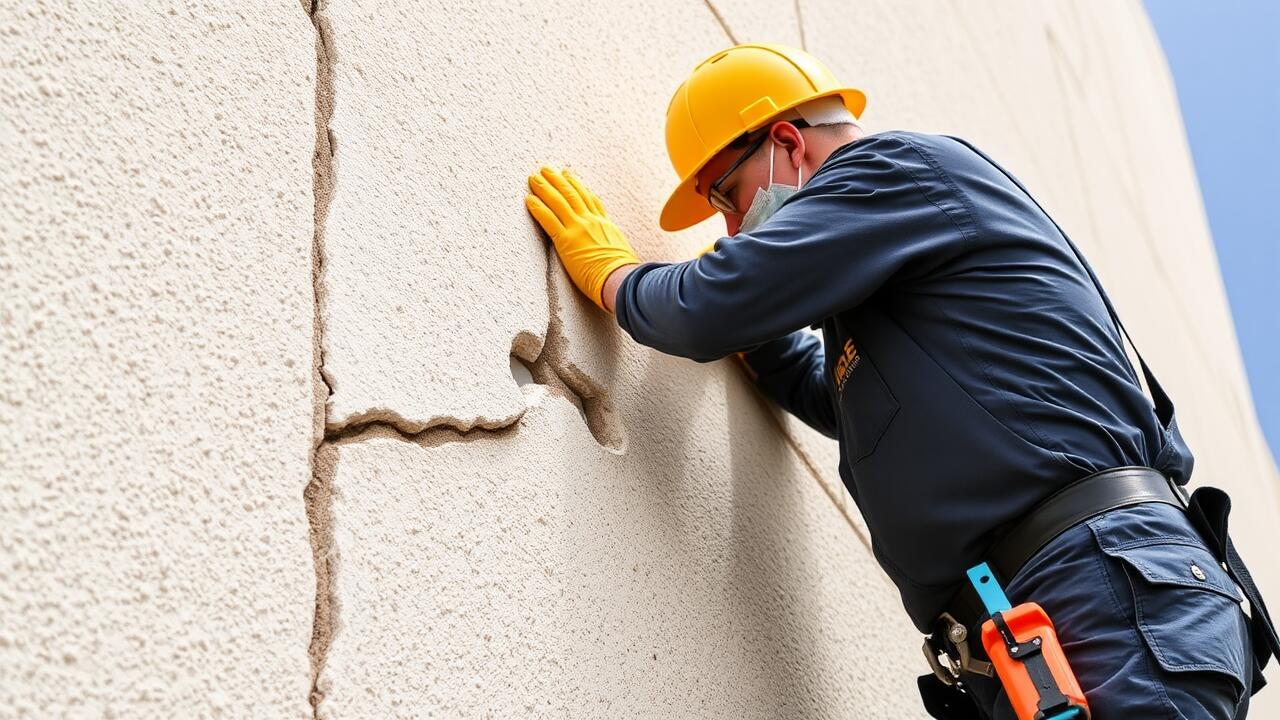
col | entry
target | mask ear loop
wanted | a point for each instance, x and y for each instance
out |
(799, 170)
(800, 175)
(770, 163)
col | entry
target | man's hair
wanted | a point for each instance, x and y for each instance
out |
(746, 139)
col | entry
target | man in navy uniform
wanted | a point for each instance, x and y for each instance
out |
(970, 367)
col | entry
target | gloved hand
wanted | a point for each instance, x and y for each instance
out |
(589, 244)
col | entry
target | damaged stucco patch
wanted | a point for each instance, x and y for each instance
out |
(556, 367)
(318, 495)
(414, 338)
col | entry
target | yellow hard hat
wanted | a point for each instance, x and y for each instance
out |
(730, 93)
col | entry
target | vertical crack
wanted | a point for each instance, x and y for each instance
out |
(318, 495)
(319, 501)
(720, 19)
(800, 24)
(841, 505)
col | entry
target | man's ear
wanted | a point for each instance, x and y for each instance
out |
(788, 136)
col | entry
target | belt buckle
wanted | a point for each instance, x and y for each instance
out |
(947, 651)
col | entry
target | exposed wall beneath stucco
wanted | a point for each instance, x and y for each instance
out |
(244, 253)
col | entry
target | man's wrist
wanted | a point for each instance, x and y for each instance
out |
(611, 284)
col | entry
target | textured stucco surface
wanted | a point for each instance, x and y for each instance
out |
(596, 584)
(513, 510)
(156, 399)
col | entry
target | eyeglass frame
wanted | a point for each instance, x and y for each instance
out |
(716, 196)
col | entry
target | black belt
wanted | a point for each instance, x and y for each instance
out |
(1079, 501)
(949, 649)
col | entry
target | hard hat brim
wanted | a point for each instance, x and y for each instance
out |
(686, 208)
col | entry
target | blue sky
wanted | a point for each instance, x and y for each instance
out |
(1225, 60)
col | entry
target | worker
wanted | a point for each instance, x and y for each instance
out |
(970, 366)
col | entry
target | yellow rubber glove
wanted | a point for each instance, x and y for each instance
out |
(590, 245)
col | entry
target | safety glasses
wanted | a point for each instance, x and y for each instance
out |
(718, 199)
(715, 195)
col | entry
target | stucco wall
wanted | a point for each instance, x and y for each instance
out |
(510, 509)
(156, 331)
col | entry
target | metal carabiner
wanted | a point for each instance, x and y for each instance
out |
(951, 643)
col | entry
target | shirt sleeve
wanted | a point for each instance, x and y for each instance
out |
(789, 371)
(877, 210)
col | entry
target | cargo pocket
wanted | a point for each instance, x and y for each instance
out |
(1186, 607)
(867, 406)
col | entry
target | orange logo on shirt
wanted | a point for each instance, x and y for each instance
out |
(845, 364)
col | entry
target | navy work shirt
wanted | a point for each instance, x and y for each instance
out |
(968, 365)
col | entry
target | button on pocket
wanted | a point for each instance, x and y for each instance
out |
(1187, 608)
(867, 406)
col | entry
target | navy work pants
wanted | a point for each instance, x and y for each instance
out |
(1151, 625)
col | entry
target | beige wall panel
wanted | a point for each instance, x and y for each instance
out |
(434, 274)
(531, 572)
(156, 397)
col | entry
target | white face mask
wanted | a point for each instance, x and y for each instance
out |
(767, 201)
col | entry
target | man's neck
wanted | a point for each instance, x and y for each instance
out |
(822, 144)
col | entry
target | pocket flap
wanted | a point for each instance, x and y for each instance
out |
(1172, 563)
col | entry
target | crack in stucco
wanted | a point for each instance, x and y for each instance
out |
(841, 505)
(593, 400)
(405, 426)
(800, 26)
(434, 436)
(720, 19)
(526, 345)
(552, 369)
(317, 496)
(319, 501)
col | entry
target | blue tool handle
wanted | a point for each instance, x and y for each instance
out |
(1068, 714)
(989, 591)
